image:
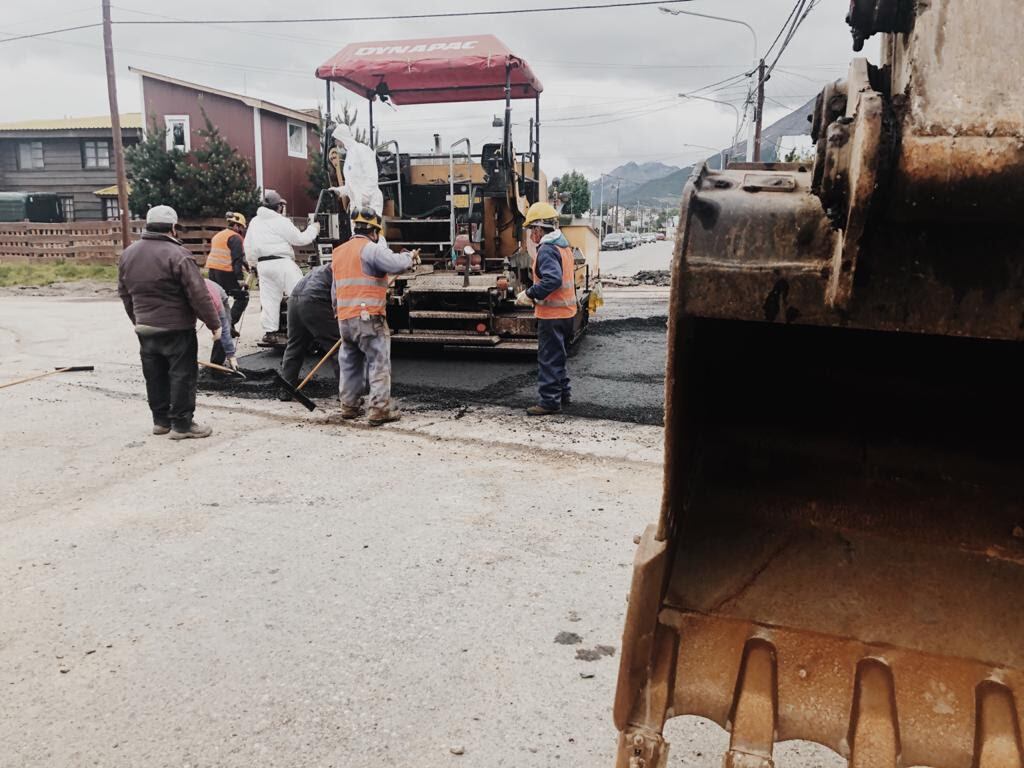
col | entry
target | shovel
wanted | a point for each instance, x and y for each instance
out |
(295, 391)
(65, 369)
(221, 368)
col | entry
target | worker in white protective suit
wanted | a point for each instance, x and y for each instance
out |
(360, 189)
(269, 243)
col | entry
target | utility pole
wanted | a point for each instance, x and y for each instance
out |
(760, 112)
(115, 125)
(617, 207)
(600, 209)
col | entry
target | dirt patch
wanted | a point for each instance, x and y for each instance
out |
(595, 653)
(92, 289)
(658, 277)
(568, 638)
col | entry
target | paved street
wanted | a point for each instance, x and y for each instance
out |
(294, 591)
(649, 257)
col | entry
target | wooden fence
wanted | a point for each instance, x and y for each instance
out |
(96, 242)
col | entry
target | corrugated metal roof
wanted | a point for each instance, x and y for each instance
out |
(110, 191)
(128, 120)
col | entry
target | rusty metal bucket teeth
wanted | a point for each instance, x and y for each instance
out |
(839, 557)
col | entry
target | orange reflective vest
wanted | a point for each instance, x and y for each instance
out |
(560, 303)
(219, 257)
(354, 290)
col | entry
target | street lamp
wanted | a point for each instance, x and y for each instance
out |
(736, 133)
(754, 60)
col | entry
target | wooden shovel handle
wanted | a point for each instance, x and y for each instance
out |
(323, 360)
(34, 377)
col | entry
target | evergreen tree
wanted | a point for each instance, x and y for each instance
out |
(218, 178)
(203, 183)
(153, 172)
(574, 184)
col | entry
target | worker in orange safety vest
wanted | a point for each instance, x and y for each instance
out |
(553, 297)
(225, 265)
(361, 267)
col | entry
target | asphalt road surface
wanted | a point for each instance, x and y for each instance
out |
(617, 369)
(643, 258)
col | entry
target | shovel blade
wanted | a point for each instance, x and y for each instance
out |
(295, 393)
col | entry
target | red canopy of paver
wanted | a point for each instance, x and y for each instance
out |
(431, 71)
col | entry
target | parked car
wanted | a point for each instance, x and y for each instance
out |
(650, 237)
(659, 236)
(31, 206)
(613, 242)
(632, 241)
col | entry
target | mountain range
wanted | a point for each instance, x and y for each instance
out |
(658, 184)
(629, 177)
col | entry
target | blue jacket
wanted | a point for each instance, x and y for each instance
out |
(549, 266)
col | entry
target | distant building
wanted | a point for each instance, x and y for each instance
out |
(71, 157)
(276, 140)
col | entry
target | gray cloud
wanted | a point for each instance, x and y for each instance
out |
(618, 69)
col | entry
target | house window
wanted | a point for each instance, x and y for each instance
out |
(68, 204)
(178, 133)
(296, 140)
(30, 155)
(111, 211)
(95, 154)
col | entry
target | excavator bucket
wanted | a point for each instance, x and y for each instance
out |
(840, 552)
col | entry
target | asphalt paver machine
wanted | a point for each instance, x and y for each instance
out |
(446, 197)
(840, 552)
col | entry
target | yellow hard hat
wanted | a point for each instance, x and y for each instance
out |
(367, 217)
(541, 215)
(235, 218)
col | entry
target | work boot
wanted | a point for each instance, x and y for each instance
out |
(540, 410)
(350, 411)
(196, 430)
(161, 429)
(566, 399)
(380, 416)
(234, 332)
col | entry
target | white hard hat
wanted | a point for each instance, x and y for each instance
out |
(161, 214)
(342, 133)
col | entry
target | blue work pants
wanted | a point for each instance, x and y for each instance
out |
(553, 337)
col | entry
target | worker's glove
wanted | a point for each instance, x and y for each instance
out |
(232, 363)
(415, 256)
(522, 300)
(316, 226)
(216, 334)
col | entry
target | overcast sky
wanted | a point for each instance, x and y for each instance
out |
(610, 76)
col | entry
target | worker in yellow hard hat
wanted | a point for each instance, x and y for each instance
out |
(553, 298)
(227, 267)
(360, 270)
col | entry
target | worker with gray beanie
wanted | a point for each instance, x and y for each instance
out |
(163, 294)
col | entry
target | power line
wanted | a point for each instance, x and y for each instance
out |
(50, 32)
(252, 33)
(418, 16)
(806, 6)
(782, 29)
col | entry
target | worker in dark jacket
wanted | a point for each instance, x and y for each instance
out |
(553, 297)
(163, 294)
(310, 319)
(226, 265)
